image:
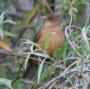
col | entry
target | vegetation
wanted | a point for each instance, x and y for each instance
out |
(30, 62)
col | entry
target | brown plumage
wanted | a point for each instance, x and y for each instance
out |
(51, 33)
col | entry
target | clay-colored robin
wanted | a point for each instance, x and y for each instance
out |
(51, 35)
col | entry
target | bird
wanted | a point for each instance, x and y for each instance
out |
(51, 35)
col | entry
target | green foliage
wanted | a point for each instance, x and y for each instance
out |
(61, 53)
(46, 43)
(40, 70)
(58, 53)
(79, 40)
(48, 72)
(73, 7)
(16, 84)
(6, 83)
(86, 1)
(2, 22)
(66, 49)
(27, 18)
(7, 5)
(39, 24)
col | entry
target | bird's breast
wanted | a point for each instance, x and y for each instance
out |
(52, 35)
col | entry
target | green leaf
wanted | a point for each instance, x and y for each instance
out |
(1, 32)
(39, 24)
(2, 18)
(2, 21)
(65, 49)
(48, 72)
(29, 16)
(58, 53)
(46, 43)
(6, 82)
(86, 1)
(9, 34)
(40, 70)
(10, 21)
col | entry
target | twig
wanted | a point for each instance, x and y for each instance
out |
(69, 41)
(57, 77)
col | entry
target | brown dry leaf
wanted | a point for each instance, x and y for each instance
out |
(70, 88)
(4, 44)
